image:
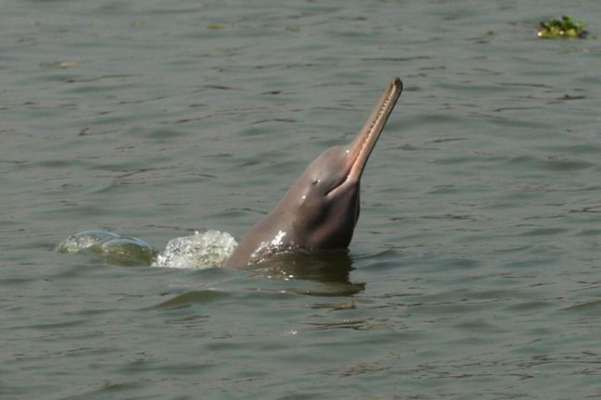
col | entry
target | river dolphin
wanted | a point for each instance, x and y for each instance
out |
(321, 209)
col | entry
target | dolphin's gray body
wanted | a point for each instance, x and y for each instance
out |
(321, 209)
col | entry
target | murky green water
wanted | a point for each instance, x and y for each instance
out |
(475, 271)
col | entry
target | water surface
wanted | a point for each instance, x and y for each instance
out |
(474, 272)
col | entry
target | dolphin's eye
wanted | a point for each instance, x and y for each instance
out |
(315, 181)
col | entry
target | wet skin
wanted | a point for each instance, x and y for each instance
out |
(321, 209)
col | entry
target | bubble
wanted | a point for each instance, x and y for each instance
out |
(114, 248)
(85, 240)
(199, 251)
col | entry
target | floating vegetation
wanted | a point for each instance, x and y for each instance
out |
(215, 27)
(564, 28)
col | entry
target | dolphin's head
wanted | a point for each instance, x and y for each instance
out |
(325, 199)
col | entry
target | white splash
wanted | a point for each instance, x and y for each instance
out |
(199, 251)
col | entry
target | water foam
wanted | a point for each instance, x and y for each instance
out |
(199, 251)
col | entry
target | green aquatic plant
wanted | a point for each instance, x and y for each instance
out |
(564, 28)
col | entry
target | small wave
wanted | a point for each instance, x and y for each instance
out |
(199, 251)
(114, 248)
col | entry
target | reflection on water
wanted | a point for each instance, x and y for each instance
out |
(192, 297)
(331, 266)
(324, 274)
(331, 269)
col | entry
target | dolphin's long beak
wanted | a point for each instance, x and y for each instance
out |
(366, 139)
